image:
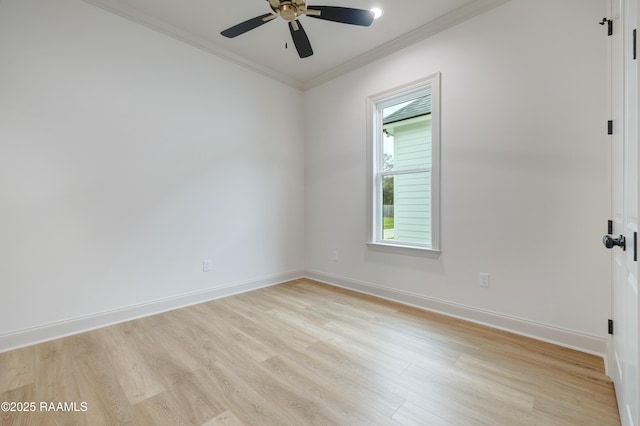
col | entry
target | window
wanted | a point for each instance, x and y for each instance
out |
(403, 183)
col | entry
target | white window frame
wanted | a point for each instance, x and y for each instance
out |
(375, 170)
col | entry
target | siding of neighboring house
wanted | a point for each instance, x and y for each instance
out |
(412, 192)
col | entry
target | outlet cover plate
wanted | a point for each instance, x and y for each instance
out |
(207, 265)
(484, 279)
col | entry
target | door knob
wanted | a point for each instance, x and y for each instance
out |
(610, 242)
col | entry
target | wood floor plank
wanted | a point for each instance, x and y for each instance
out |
(283, 398)
(370, 391)
(55, 379)
(97, 384)
(347, 409)
(499, 400)
(304, 353)
(292, 333)
(225, 419)
(243, 400)
(137, 378)
(20, 418)
(219, 337)
(411, 414)
(17, 369)
(160, 409)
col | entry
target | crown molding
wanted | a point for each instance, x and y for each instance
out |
(421, 33)
(429, 29)
(145, 20)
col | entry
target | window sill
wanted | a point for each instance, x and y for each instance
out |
(404, 249)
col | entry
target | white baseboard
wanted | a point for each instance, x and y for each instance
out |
(563, 337)
(34, 335)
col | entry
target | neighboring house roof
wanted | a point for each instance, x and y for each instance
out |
(419, 107)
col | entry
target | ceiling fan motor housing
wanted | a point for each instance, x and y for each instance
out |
(288, 10)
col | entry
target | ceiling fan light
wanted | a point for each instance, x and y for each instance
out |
(377, 12)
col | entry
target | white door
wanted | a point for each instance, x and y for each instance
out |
(623, 367)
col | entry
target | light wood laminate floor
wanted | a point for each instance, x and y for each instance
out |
(304, 353)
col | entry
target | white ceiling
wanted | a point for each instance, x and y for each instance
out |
(338, 48)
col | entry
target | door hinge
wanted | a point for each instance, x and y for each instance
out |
(635, 56)
(609, 23)
(635, 246)
(610, 325)
(610, 127)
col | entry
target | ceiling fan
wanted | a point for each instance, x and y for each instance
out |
(290, 10)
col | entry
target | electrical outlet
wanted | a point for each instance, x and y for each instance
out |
(484, 279)
(334, 255)
(207, 265)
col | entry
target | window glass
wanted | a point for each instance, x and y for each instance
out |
(404, 147)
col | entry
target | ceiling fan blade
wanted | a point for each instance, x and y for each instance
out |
(345, 15)
(245, 26)
(301, 41)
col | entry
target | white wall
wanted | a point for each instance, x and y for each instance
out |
(127, 157)
(524, 170)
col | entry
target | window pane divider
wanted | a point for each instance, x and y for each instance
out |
(404, 172)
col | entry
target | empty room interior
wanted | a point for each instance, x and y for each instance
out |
(392, 219)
